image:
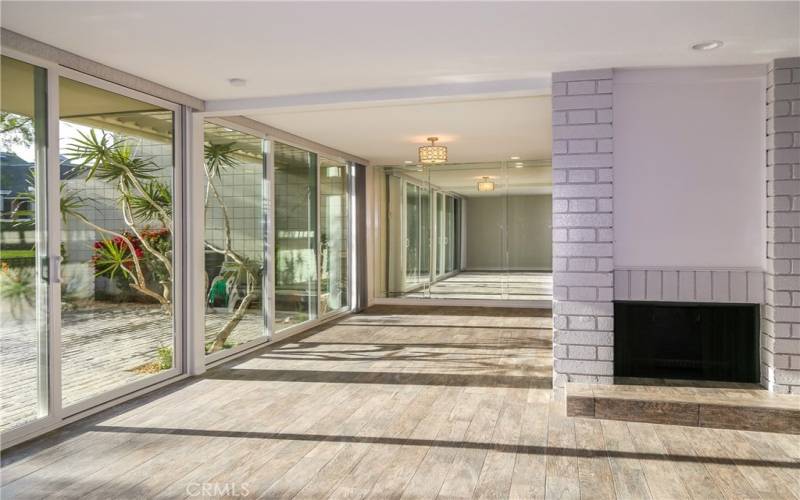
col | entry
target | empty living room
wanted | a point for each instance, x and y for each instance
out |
(400, 249)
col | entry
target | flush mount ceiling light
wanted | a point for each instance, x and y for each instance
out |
(433, 153)
(237, 82)
(485, 185)
(519, 165)
(707, 45)
(408, 162)
(515, 157)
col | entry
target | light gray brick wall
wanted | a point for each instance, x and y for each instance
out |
(583, 278)
(780, 332)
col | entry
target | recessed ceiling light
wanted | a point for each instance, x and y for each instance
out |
(707, 45)
(237, 82)
(408, 162)
(519, 165)
(515, 157)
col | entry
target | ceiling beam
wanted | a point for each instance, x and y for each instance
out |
(380, 97)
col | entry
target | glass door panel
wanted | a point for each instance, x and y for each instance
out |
(440, 237)
(334, 233)
(117, 179)
(425, 239)
(457, 233)
(412, 213)
(23, 244)
(234, 165)
(295, 236)
(450, 234)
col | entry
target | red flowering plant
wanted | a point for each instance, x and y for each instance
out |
(114, 255)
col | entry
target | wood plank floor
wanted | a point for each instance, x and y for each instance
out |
(397, 402)
(486, 285)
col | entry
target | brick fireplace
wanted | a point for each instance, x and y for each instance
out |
(588, 279)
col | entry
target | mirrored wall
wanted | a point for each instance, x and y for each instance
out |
(477, 231)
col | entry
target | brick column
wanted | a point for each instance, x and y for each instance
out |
(780, 333)
(583, 280)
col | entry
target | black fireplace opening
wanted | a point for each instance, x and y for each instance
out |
(693, 341)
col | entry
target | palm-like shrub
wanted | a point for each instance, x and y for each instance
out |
(144, 248)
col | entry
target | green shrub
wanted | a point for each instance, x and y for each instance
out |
(165, 357)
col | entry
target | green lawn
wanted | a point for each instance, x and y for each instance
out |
(17, 254)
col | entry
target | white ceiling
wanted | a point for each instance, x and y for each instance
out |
(473, 130)
(294, 49)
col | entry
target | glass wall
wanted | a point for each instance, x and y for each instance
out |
(334, 233)
(417, 234)
(439, 224)
(118, 270)
(116, 262)
(296, 287)
(235, 197)
(23, 228)
(465, 231)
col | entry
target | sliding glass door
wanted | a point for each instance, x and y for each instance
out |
(296, 287)
(449, 231)
(117, 169)
(413, 243)
(334, 221)
(441, 237)
(417, 213)
(23, 245)
(88, 197)
(235, 198)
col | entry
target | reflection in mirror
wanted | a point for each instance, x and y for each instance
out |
(465, 231)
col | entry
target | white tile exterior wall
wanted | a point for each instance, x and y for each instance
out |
(241, 190)
(780, 333)
(690, 285)
(583, 247)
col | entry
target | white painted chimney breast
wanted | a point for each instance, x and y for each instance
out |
(689, 167)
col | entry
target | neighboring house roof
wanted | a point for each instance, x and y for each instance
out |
(14, 173)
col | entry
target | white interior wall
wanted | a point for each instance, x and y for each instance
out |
(689, 167)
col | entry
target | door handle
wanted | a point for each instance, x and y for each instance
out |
(54, 270)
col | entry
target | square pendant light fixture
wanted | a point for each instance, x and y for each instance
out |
(485, 185)
(432, 154)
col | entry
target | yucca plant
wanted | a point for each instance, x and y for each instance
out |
(17, 289)
(236, 268)
(145, 200)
